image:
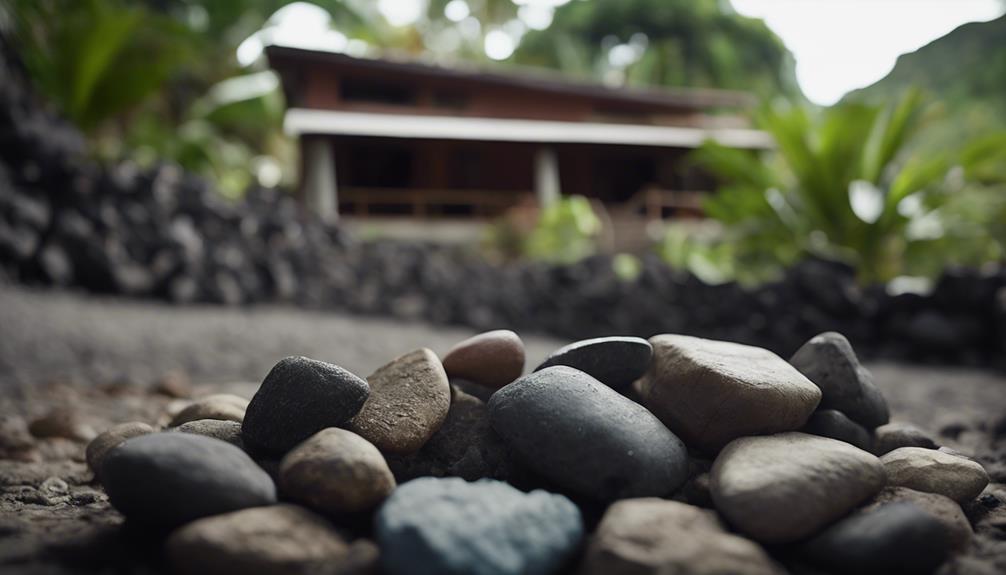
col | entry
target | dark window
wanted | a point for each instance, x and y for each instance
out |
(379, 166)
(376, 91)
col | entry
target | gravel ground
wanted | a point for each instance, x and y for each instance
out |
(99, 358)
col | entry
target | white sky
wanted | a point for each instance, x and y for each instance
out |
(841, 45)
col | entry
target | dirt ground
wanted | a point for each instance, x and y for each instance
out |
(99, 360)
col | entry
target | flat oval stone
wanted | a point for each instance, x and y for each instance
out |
(113, 437)
(336, 471)
(829, 361)
(784, 487)
(167, 479)
(229, 431)
(298, 398)
(432, 526)
(408, 403)
(614, 361)
(834, 424)
(222, 406)
(897, 434)
(585, 437)
(711, 392)
(892, 538)
(941, 507)
(492, 359)
(275, 540)
(933, 471)
(651, 536)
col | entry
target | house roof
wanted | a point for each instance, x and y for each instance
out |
(301, 121)
(547, 82)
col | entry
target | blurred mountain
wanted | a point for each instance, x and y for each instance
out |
(964, 71)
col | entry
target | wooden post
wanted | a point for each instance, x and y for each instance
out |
(546, 176)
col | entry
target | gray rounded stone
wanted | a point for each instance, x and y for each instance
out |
(448, 526)
(651, 536)
(711, 392)
(229, 431)
(834, 424)
(274, 540)
(585, 437)
(167, 479)
(892, 538)
(336, 471)
(99, 447)
(298, 398)
(614, 361)
(409, 400)
(941, 507)
(830, 362)
(221, 406)
(782, 488)
(934, 471)
(896, 434)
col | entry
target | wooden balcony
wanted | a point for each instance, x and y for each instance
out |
(429, 203)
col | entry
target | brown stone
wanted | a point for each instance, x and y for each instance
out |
(656, 536)
(223, 406)
(101, 445)
(336, 471)
(274, 540)
(711, 392)
(409, 400)
(62, 423)
(174, 383)
(224, 430)
(898, 434)
(493, 359)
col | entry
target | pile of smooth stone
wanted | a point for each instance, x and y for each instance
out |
(615, 455)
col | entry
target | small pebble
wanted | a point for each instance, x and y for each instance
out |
(61, 423)
(614, 361)
(229, 431)
(898, 434)
(834, 424)
(336, 471)
(934, 471)
(175, 383)
(492, 359)
(222, 406)
(103, 443)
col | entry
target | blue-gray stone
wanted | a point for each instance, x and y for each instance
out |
(834, 424)
(615, 361)
(168, 479)
(585, 437)
(443, 526)
(892, 538)
(298, 398)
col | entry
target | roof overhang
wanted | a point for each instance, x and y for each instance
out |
(301, 121)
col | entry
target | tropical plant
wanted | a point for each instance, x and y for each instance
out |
(839, 186)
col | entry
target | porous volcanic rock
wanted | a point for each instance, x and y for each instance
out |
(711, 392)
(432, 526)
(298, 398)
